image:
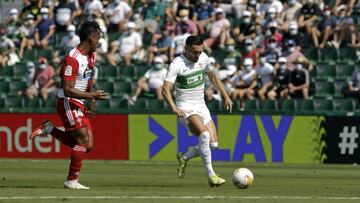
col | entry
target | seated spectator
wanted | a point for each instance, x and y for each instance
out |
(116, 14)
(102, 49)
(13, 24)
(45, 30)
(183, 5)
(8, 56)
(231, 7)
(250, 51)
(92, 6)
(345, 30)
(67, 43)
(43, 82)
(266, 72)
(271, 16)
(203, 15)
(152, 81)
(290, 14)
(241, 85)
(128, 46)
(308, 16)
(272, 52)
(324, 29)
(184, 19)
(259, 36)
(293, 34)
(219, 30)
(178, 43)
(161, 43)
(246, 28)
(65, 12)
(299, 80)
(272, 32)
(353, 88)
(292, 54)
(210, 91)
(231, 61)
(154, 10)
(27, 34)
(282, 80)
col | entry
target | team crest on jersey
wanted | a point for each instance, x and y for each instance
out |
(68, 71)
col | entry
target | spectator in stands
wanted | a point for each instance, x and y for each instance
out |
(243, 82)
(13, 24)
(232, 7)
(293, 34)
(272, 33)
(116, 14)
(250, 51)
(272, 52)
(30, 7)
(183, 5)
(308, 16)
(45, 30)
(43, 83)
(269, 17)
(230, 62)
(184, 19)
(245, 29)
(266, 72)
(27, 34)
(282, 80)
(292, 54)
(210, 90)
(92, 6)
(353, 86)
(102, 50)
(178, 43)
(154, 10)
(8, 55)
(259, 36)
(345, 30)
(299, 80)
(291, 13)
(65, 13)
(128, 45)
(152, 81)
(68, 42)
(161, 43)
(203, 15)
(324, 29)
(219, 30)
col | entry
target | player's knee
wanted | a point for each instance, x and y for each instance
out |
(214, 145)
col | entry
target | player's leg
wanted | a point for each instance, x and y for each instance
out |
(196, 126)
(213, 134)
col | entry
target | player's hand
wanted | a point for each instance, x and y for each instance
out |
(228, 104)
(101, 95)
(179, 112)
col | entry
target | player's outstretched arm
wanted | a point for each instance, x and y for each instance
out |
(71, 91)
(166, 92)
(218, 84)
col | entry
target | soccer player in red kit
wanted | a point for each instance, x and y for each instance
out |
(76, 75)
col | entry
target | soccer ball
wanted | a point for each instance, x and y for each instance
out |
(242, 178)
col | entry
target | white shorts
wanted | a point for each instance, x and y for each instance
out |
(194, 109)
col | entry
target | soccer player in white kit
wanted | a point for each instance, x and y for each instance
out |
(187, 71)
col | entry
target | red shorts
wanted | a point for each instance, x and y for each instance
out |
(72, 114)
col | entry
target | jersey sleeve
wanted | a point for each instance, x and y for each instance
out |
(69, 68)
(208, 67)
(174, 70)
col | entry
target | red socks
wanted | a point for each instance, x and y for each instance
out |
(63, 137)
(77, 156)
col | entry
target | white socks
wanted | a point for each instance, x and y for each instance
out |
(192, 153)
(205, 152)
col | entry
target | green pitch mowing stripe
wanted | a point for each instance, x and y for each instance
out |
(135, 181)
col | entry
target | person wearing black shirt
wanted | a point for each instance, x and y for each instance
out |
(309, 15)
(299, 81)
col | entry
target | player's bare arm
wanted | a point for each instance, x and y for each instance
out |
(71, 91)
(218, 84)
(166, 92)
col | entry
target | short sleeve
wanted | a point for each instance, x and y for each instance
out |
(69, 68)
(173, 72)
(147, 74)
(208, 67)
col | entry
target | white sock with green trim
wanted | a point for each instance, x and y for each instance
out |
(205, 152)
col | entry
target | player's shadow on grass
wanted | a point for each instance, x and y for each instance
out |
(28, 186)
(149, 186)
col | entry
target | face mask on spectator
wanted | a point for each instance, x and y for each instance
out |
(14, 17)
(268, 33)
(258, 30)
(310, 2)
(248, 48)
(130, 30)
(262, 60)
(44, 16)
(247, 20)
(272, 45)
(28, 23)
(3, 37)
(230, 47)
(117, 2)
(291, 49)
(42, 66)
(282, 66)
(71, 34)
(248, 68)
(252, 2)
(158, 66)
(293, 31)
(184, 18)
(299, 66)
(292, 2)
(272, 15)
(327, 13)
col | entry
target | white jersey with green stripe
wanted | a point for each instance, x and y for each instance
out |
(188, 78)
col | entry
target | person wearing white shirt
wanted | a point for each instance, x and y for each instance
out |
(266, 72)
(116, 13)
(93, 6)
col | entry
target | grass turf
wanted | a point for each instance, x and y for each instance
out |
(151, 181)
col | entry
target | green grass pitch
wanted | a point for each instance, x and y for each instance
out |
(23, 180)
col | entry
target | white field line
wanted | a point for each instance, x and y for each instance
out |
(179, 197)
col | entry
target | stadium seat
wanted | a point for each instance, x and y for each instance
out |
(269, 105)
(47, 53)
(7, 72)
(214, 105)
(30, 55)
(345, 105)
(347, 53)
(4, 87)
(50, 103)
(251, 105)
(324, 104)
(340, 86)
(343, 71)
(325, 72)
(122, 87)
(155, 104)
(103, 104)
(141, 69)
(288, 105)
(119, 103)
(106, 86)
(312, 54)
(2, 103)
(108, 72)
(128, 72)
(140, 104)
(16, 86)
(329, 54)
(20, 70)
(324, 89)
(307, 105)
(14, 102)
(33, 103)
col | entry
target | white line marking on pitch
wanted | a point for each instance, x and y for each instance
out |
(179, 197)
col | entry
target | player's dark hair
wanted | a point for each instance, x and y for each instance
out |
(194, 40)
(87, 29)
